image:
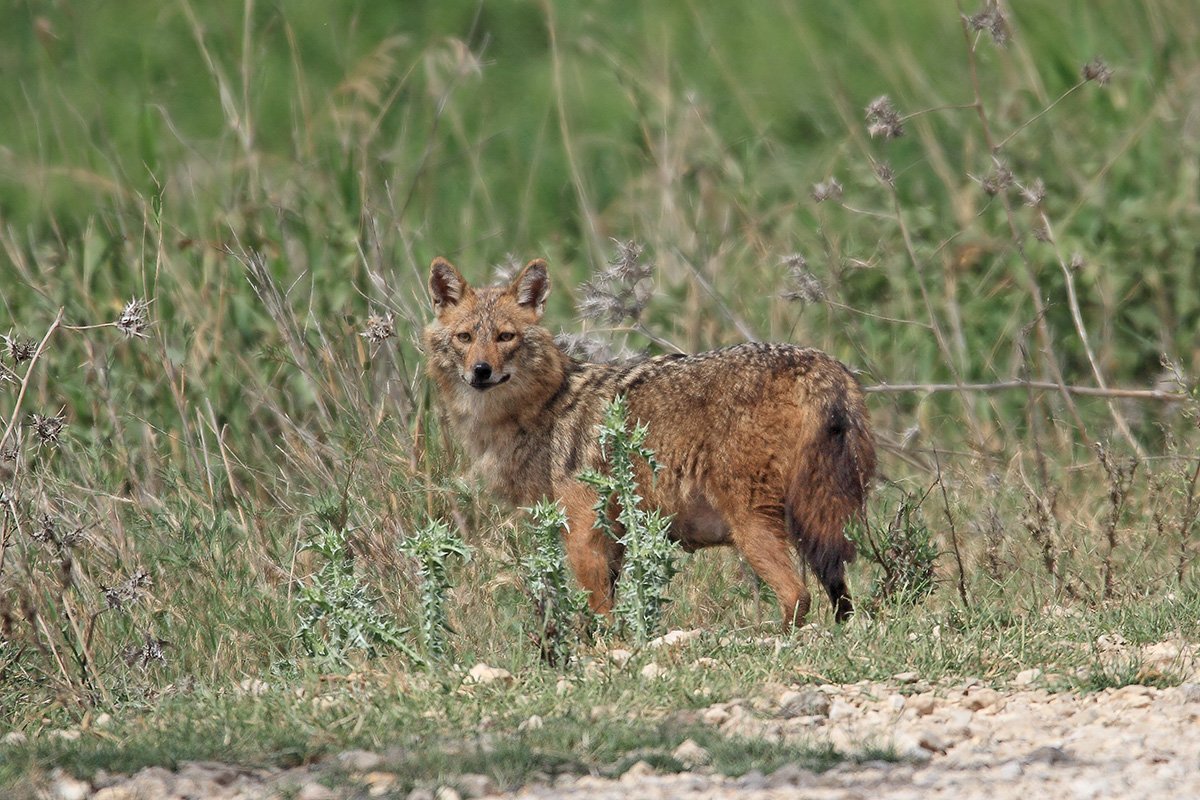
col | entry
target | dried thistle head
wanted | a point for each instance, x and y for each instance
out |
(883, 119)
(885, 173)
(1040, 230)
(48, 428)
(133, 321)
(19, 349)
(128, 592)
(1097, 70)
(149, 651)
(1034, 194)
(622, 290)
(10, 450)
(627, 263)
(827, 190)
(45, 529)
(72, 538)
(802, 286)
(585, 348)
(992, 21)
(380, 327)
(998, 180)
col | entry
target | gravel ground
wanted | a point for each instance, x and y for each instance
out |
(964, 740)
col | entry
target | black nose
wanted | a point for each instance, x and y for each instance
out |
(481, 372)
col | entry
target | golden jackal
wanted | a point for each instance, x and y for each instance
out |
(763, 446)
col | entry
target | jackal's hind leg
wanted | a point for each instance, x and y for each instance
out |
(765, 544)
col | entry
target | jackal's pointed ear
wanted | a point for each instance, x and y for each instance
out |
(446, 285)
(531, 286)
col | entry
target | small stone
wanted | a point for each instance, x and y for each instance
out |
(672, 638)
(315, 791)
(69, 788)
(906, 677)
(475, 785)
(1009, 771)
(980, 698)
(1027, 677)
(562, 687)
(66, 735)
(619, 656)
(921, 704)
(483, 674)
(14, 738)
(102, 720)
(359, 760)
(125, 793)
(932, 741)
(1188, 693)
(840, 709)
(379, 783)
(420, 793)
(808, 703)
(714, 715)
(752, 781)
(690, 754)
(653, 671)
(446, 793)
(639, 769)
(254, 687)
(896, 702)
(1048, 755)
(908, 745)
(788, 776)
(533, 723)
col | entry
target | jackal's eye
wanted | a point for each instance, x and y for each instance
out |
(505, 336)
(463, 337)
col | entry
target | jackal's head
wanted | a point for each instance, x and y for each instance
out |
(487, 337)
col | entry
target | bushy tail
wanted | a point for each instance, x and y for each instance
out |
(829, 488)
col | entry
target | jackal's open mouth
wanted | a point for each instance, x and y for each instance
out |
(488, 384)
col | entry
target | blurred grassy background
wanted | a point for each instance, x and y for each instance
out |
(267, 175)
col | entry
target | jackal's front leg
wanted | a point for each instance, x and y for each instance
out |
(594, 556)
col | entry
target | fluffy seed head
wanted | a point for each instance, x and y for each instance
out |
(998, 180)
(992, 21)
(1097, 70)
(1034, 194)
(622, 290)
(802, 286)
(883, 119)
(827, 190)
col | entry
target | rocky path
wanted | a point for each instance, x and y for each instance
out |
(954, 740)
(964, 742)
(1133, 742)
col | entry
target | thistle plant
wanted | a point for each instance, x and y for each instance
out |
(560, 606)
(650, 555)
(432, 547)
(339, 612)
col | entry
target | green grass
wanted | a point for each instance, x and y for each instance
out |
(268, 177)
